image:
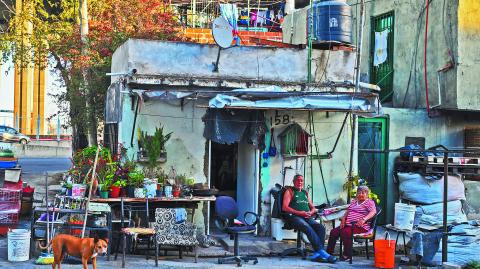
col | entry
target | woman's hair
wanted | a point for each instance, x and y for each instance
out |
(362, 188)
(297, 176)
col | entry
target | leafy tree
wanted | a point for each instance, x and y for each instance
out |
(38, 29)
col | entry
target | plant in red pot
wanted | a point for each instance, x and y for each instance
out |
(116, 187)
(177, 190)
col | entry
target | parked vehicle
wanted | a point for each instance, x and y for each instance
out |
(9, 134)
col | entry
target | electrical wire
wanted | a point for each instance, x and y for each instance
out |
(413, 62)
(427, 4)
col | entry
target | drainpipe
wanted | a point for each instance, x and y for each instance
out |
(310, 29)
(357, 89)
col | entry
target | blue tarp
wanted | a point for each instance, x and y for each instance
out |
(331, 102)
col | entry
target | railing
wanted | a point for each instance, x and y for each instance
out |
(38, 128)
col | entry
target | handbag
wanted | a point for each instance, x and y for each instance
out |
(272, 150)
(385, 252)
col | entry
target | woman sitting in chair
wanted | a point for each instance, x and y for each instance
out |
(358, 213)
(299, 212)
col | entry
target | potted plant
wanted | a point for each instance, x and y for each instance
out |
(153, 147)
(161, 178)
(116, 187)
(136, 180)
(107, 183)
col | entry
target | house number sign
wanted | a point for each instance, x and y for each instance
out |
(280, 118)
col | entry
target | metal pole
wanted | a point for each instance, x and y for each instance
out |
(445, 208)
(38, 127)
(357, 89)
(310, 30)
(358, 60)
(58, 128)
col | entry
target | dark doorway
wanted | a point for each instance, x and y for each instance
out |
(224, 169)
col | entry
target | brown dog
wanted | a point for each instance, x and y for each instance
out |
(84, 248)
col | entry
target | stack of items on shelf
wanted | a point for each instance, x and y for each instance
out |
(423, 186)
(10, 198)
(427, 194)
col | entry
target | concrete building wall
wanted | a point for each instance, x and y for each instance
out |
(468, 56)
(408, 54)
(447, 130)
(335, 170)
(279, 65)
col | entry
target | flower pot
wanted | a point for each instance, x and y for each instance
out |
(151, 189)
(167, 190)
(130, 191)
(115, 192)
(100, 187)
(139, 193)
(79, 190)
(177, 192)
(69, 192)
(123, 192)
(104, 194)
(159, 193)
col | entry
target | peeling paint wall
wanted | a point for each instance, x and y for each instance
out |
(335, 170)
(186, 147)
(442, 21)
(468, 54)
(249, 63)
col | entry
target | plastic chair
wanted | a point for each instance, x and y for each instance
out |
(367, 236)
(226, 210)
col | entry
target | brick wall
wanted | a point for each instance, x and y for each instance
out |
(204, 36)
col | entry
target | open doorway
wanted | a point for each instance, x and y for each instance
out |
(223, 175)
(234, 172)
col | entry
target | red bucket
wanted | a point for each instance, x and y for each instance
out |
(385, 252)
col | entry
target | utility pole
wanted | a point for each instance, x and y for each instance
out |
(83, 34)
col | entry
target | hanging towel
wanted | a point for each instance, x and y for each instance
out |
(180, 215)
(230, 13)
(381, 44)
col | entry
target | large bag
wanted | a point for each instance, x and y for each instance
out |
(385, 252)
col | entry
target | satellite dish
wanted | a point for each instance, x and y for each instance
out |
(222, 32)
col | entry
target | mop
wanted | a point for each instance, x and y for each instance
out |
(47, 257)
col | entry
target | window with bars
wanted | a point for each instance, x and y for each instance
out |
(382, 74)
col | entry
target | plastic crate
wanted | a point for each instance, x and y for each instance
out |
(7, 195)
(9, 218)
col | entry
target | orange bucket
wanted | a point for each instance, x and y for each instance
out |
(385, 252)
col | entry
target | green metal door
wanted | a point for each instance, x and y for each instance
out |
(382, 74)
(373, 134)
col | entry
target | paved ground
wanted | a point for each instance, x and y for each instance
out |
(38, 166)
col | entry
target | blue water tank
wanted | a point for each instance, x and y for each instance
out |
(332, 21)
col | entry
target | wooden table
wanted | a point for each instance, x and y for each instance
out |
(184, 202)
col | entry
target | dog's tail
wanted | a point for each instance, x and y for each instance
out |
(45, 247)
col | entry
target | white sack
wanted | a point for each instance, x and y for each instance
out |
(433, 214)
(414, 187)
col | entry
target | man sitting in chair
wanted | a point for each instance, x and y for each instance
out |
(358, 213)
(299, 212)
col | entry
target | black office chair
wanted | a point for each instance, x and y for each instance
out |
(226, 210)
(300, 249)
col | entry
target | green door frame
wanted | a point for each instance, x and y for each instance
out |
(380, 190)
(382, 75)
